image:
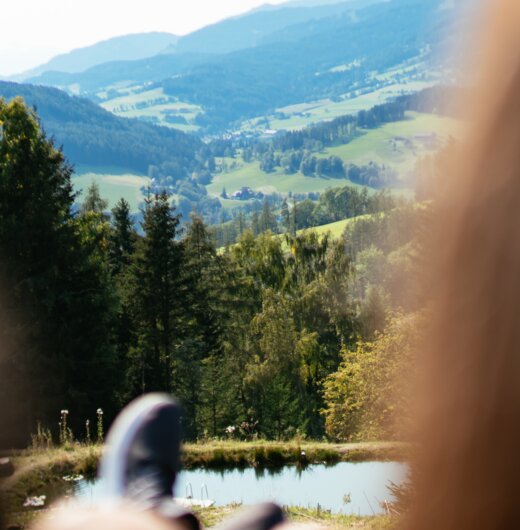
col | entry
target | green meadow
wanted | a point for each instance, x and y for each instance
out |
(394, 144)
(305, 114)
(251, 175)
(397, 144)
(154, 106)
(114, 184)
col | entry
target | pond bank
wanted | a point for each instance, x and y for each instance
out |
(223, 454)
(305, 518)
(36, 471)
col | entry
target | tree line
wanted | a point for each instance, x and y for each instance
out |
(283, 215)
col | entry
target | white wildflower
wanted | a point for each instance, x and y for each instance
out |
(35, 502)
(72, 478)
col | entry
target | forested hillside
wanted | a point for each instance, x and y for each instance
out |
(251, 82)
(260, 337)
(92, 136)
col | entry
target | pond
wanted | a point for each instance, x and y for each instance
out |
(364, 484)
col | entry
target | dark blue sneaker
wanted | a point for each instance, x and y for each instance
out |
(142, 457)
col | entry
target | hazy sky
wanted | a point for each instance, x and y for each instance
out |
(35, 30)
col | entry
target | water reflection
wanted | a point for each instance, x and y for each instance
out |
(364, 484)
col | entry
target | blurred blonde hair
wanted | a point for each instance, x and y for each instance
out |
(76, 518)
(468, 468)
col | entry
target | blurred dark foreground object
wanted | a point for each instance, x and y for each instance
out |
(467, 472)
(6, 467)
(141, 462)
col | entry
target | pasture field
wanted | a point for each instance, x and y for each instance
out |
(335, 229)
(304, 114)
(154, 106)
(114, 184)
(251, 175)
(399, 144)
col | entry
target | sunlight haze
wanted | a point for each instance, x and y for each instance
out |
(39, 30)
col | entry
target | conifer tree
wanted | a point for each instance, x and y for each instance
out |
(154, 296)
(53, 267)
(93, 201)
(122, 237)
(255, 223)
(286, 216)
(203, 320)
(267, 220)
(274, 372)
(122, 243)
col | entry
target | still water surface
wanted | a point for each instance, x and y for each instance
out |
(365, 482)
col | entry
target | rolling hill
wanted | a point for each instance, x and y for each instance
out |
(93, 136)
(255, 81)
(397, 145)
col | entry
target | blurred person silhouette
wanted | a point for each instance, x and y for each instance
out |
(467, 468)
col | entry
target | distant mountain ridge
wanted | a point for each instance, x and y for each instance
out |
(101, 76)
(250, 29)
(257, 80)
(235, 34)
(280, 55)
(232, 34)
(124, 48)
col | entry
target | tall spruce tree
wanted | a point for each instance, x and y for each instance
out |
(203, 319)
(267, 220)
(122, 237)
(286, 216)
(155, 299)
(93, 202)
(54, 270)
(122, 242)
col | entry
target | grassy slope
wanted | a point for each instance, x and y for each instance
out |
(113, 183)
(382, 145)
(152, 108)
(300, 116)
(335, 229)
(303, 115)
(376, 145)
(251, 175)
